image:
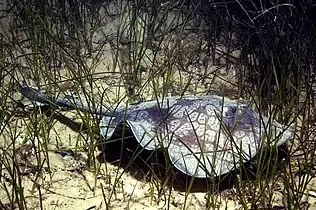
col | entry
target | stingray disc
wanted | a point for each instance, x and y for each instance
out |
(205, 136)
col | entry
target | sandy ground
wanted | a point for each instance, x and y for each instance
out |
(71, 183)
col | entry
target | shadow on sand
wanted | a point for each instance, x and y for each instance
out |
(145, 165)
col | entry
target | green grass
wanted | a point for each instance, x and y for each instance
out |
(144, 50)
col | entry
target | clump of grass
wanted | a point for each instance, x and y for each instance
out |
(157, 49)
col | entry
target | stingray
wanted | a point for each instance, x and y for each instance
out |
(205, 136)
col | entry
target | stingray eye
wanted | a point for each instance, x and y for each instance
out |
(229, 111)
(232, 110)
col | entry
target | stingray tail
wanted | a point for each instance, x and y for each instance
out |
(67, 101)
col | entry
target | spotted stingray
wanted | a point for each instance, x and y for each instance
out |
(205, 136)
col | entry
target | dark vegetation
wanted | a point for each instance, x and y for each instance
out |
(268, 45)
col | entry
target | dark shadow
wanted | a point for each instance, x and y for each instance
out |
(73, 125)
(146, 165)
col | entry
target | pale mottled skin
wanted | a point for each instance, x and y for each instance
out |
(205, 136)
(212, 129)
